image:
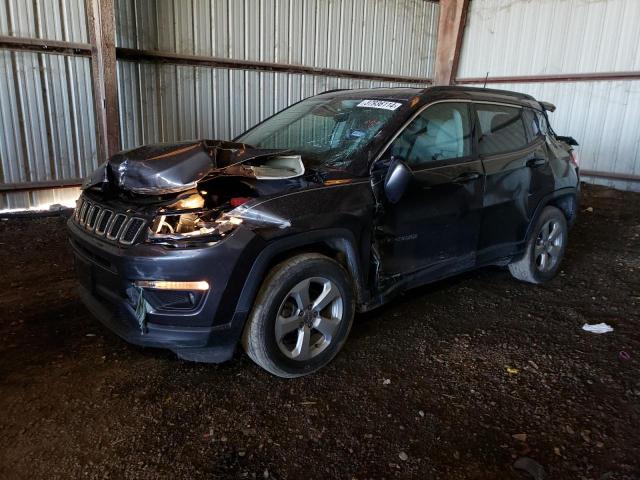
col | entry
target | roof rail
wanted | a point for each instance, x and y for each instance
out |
(333, 90)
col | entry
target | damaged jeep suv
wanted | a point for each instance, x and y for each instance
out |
(330, 207)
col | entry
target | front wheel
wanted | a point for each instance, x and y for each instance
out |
(301, 317)
(545, 249)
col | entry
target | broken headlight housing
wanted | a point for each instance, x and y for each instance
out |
(209, 225)
(192, 224)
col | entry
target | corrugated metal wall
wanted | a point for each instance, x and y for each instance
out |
(523, 37)
(167, 102)
(47, 123)
(375, 36)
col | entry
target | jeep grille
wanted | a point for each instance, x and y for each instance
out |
(105, 222)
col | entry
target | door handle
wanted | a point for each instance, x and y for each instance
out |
(536, 162)
(466, 177)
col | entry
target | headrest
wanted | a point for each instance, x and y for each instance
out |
(418, 126)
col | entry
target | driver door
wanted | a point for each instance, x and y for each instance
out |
(433, 229)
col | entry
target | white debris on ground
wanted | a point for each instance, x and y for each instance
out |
(597, 328)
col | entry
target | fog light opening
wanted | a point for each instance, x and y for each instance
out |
(201, 285)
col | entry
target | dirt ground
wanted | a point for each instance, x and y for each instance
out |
(423, 388)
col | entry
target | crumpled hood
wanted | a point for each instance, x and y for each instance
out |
(161, 169)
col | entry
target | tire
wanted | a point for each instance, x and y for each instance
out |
(287, 340)
(545, 249)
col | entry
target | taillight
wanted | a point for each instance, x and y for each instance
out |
(573, 157)
(237, 201)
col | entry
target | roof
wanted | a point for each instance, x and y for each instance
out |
(386, 93)
(447, 91)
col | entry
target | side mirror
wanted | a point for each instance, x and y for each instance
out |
(397, 180)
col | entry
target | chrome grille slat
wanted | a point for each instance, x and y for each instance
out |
(93, 217)
(117, 226)
(88, 215)
(104, 221)
(79, 204)
(131, 230)
(83, 213)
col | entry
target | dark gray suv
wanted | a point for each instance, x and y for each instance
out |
(330, 207)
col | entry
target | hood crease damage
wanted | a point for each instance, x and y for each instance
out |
(163, 169)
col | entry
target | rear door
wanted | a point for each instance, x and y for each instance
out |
(433, 229)
(509, 160)
(542, 177)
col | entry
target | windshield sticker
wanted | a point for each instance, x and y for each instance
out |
(379, 104)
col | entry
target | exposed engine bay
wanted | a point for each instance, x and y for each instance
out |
(196, 189)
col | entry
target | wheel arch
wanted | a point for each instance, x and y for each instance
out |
(565, 199)
(568, 204)
(339, 244)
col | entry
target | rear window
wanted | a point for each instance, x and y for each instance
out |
(501, 129)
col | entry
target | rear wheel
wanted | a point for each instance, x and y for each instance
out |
(301, 317)
(545, 249)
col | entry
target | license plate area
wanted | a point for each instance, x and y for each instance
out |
(84, 273)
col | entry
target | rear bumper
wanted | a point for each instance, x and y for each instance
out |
(208, 331)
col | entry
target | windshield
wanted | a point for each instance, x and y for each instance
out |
(324, 131)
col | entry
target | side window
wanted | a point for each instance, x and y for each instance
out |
(441, 132)
(501, 129)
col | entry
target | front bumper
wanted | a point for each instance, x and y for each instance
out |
(207, 332)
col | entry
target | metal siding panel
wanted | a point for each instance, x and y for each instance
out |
(47, 19)
(344, 34)
(30, 92)
(550, 37)
(251, 18)
(166, 21)
(11, 151)
(21, 19)
(4, 19)
(46, 101)
(59, 118)
(127, 114)
(84, 114)
(126, 35)
(38, 199)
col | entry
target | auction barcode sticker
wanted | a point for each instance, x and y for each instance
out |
(379, 104)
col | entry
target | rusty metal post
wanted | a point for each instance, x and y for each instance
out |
(453, 14)
(101, 27)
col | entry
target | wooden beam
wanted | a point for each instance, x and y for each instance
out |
(453, 15)
(155, 56)
(559, 77)
(40, 185)
(627, 177)
(45, 46)
(101, 25)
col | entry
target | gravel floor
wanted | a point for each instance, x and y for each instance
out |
(457, 380)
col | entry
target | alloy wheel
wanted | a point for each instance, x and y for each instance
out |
(309, 318)
(548, 246)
